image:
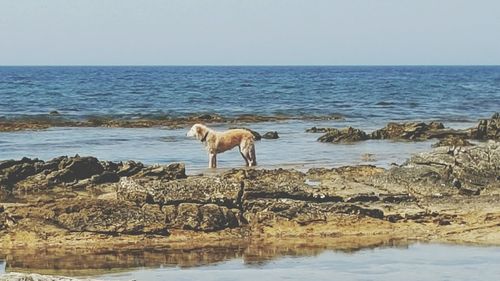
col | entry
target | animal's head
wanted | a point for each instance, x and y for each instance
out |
(198, 131)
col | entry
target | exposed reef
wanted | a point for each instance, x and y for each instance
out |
(59, 120)
(486, 129)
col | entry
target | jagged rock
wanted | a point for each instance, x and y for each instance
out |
(168, 172)
(344, 135)
(408, 131)
(475, 167)
(453, 141)
(129, 168)
(103, 216)
(319, 130)
(105, 177)
(79, 172)
(488, 128)
(271, 135)
(75, 168)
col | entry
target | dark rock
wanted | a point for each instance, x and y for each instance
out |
(110, 166)
(344, 135)
(319, 130)
(105, 177)
(473, 167)
(453, 141)
(357, 210)
(169, 172)
(111, 217)
(54, 113)
(129, 168)
(487, 128)
(398, 198)
(407, 131)
(209, 117)
(77, 168)
(363, 198)
(270, 135)
(256, 135)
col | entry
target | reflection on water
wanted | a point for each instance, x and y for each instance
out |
(256, 253)
(302, 261)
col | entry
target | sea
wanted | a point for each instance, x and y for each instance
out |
(368, 97)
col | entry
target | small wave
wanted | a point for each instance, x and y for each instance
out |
(385, 103)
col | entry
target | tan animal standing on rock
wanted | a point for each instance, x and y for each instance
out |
(218, 142)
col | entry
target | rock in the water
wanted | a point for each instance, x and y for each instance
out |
(256, 135)
(346, 135)
(318, 130)
(407, 131)
(270, 135)
(488, 128)
(453, 141)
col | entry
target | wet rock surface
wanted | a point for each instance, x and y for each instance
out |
(487, 129)
(444, 190)
(453, 141)
(33, 174)
(344, 135)
(271, 135)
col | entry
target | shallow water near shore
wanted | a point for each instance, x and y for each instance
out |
(413, 262)
(294, 149)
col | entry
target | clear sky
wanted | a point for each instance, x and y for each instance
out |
(255, 32)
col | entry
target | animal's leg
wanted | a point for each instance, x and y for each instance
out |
(246, 154)
(243, 155)
(212, 160)
(252, 156)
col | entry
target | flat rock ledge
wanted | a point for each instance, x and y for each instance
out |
(447, 193)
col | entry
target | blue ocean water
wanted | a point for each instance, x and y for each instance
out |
(368, 97)
(370, 93)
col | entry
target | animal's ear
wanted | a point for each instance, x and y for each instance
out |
(199, 130)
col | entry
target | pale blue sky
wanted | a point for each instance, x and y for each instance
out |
(256, 32)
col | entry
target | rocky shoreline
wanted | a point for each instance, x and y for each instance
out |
(86, 205)
(448, 194)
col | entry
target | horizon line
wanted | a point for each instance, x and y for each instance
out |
(235, 65)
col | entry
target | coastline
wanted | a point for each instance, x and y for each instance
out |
(77, 205)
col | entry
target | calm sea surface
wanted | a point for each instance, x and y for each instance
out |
(373, 94)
